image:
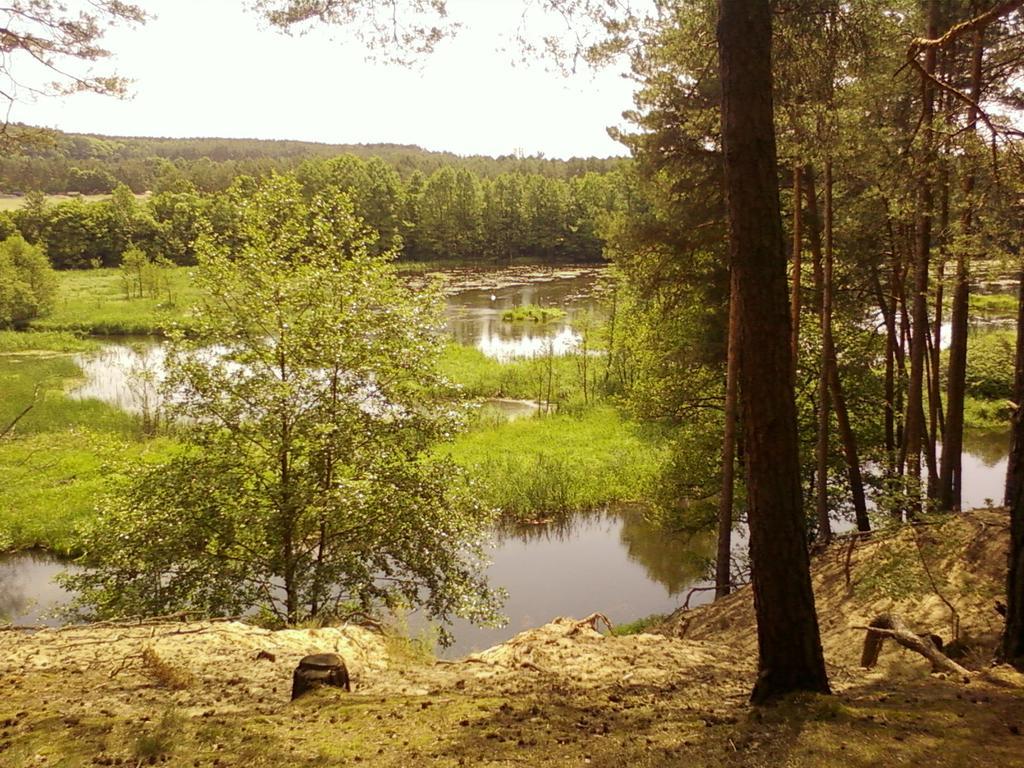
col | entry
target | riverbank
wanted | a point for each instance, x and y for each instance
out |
(186, 694)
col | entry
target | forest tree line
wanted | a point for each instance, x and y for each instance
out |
(450, 214)
(55, 162)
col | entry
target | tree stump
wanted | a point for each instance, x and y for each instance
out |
(320, 669)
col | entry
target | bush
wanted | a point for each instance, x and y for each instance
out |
(990, 365)
(27, 283)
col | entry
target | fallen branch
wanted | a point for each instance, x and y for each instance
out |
(929, 646)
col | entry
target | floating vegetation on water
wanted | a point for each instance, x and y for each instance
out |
(532, 313)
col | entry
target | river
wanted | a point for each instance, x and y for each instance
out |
(610, 561)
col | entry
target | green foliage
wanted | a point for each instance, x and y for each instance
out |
(94, 301)
(987, 414)
(639, 626)
(308, 485)
(554, 465)
(27, 284)
(993, 305)
(990, 365)
(532, 313)
(210, 165)
(456, 213)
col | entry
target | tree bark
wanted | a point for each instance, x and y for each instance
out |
(790, 656)
(850, 452)
(893, 627)
(889, 318)
(798, 172)
(950, 484)
(824, 308)
(1013, 635)
(723, 576)
(915, 426)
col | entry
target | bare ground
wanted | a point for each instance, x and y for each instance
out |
(562, 694)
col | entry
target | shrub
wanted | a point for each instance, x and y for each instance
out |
(27, 283)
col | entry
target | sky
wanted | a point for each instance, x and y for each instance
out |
(209, 68)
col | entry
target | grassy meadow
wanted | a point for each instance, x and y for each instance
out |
(59, 458)
(546, 467)
(95, 302)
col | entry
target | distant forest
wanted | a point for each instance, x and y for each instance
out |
(60, 163)
(426, 206)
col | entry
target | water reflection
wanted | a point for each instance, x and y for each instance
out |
(610, 561)
(473, 313)
(124, 375)
(28, 593)
(984, 467)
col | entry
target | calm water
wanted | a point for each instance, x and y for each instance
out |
(28, 592)
(476, 301)
(610, 561)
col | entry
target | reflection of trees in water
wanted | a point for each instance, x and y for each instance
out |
(989, 445)
(13, 600)
(673, 560)
(559, 529)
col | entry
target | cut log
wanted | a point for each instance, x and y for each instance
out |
(929, 646)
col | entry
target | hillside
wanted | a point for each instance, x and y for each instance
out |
(563, 694)
(56, 162)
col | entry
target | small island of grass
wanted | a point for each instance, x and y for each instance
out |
(532, 313)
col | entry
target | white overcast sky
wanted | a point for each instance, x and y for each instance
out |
(209, 68)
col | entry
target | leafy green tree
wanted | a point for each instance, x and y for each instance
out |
(180, 218)
(309, 402)
(27, 283)
(504, 217)
(450, 214)
(73, 233)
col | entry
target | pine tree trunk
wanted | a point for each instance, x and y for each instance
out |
(1013, 636)
(889, 318)
(790, 656)
(825, 322)
(950, 486)
(915, 424)
(723, 576)
(798, 172)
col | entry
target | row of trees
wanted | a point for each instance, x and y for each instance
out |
(60, 163)
(451, 214)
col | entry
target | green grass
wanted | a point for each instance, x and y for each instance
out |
(532, 313)
(44, 342)
(523, 379)
(548, 467)
(53, 482)
(980, 413)
(41, 380)
(993, 305)
(93, 301)
(639, 626)
(58, 460)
